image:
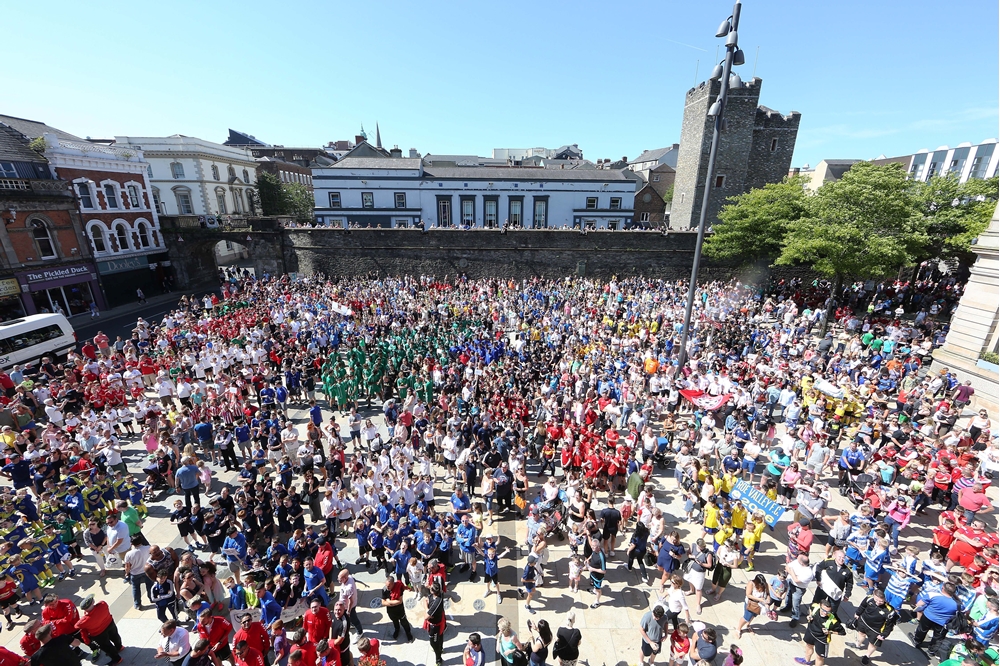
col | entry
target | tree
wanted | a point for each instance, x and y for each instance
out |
(668, 195)
(270, 194)
(863, 225)
(299, 202)
(754, 225)
(955, 214)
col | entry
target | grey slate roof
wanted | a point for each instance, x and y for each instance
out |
(34, 129)
(517, 173)
(652, 155)
(377, 163)
(14, 146)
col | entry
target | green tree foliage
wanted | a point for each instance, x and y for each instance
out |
(668, 194)
(864, 225)
(955, 213)
(755, 224)
(299, 202)
(277, 198)
(270, 194)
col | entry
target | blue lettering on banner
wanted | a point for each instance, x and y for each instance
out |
(754, 500)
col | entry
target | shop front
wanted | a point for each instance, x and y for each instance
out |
(66, 289)
(120, 278)
(11, 306)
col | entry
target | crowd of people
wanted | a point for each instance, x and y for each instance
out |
(437, 408)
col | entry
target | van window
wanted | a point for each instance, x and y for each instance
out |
(29, 339)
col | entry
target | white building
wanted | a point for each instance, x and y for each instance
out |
(567, 152)
(402, 192)
(192, 176)
(965, 161)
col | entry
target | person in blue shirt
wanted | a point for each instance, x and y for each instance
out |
(281, 395)
(401, 557)
(460, 504)
(852, 463)
(315, 582)
(241, 433)
(270, 610)
(267, 396)
(466, 535)
(937, 612)
(25, 575)
(235, 541)
(315, 413)
(985, 628)
(491, 564)
(376, 543)
(18, 471)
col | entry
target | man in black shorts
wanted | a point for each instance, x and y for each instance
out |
(874, 621)
(823, 624)
(597, 565)
(611, 519)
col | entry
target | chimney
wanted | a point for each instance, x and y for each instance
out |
(625, 158)
(414, 154)
(358, 139)
(395, 152)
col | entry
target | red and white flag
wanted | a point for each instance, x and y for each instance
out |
(705, 401)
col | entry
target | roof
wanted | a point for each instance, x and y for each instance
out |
(14, 146)
(518, 173)
(238, 138)
(653, 155)
(34, 129)
(377, 163)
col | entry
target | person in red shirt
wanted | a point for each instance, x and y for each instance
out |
(325, 557)
(98, 627)
(307, 648)
(253, 633)
(216, 631)
(247, 656)
(29, 643)
(316, 621)
(969, 541)
(61, 614)
(368, 647)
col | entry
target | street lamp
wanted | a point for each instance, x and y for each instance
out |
(721, 73)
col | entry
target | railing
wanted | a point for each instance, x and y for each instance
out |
(125, 153)
(14, 184)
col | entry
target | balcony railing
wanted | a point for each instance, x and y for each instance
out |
(14, 184)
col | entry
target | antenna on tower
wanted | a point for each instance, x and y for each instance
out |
(755, 62)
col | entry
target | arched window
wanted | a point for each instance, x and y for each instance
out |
(232, 172)
(246, 176)
(143, 230)
(43, 240)
(184, 203)
(121, 233)
(215, 172)
(97, 238)
(220, 200)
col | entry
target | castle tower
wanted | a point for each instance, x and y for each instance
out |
(748, 155)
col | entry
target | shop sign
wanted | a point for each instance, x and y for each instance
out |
(56, 273)
(121, 265)
(9, 287)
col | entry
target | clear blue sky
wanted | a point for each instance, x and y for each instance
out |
(869, 77)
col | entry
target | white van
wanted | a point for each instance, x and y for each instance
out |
(28, 339)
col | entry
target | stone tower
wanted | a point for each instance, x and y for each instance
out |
(756, 148)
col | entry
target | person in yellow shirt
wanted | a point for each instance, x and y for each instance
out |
(727, 482)
(710, 520)
(752, 536)
(739, 517)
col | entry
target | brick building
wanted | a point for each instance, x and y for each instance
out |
(755, 149)
(118, 215)
(46, 264)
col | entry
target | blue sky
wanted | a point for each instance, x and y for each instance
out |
(873, 77)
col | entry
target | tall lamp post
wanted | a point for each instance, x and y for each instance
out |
(722, 72)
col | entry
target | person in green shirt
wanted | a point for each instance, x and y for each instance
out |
(131, 518)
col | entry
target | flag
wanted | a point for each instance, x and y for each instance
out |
(702, 400)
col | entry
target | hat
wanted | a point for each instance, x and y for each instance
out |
(804, 522)
(87, 602)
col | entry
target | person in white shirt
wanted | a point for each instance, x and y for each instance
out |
(175, 643)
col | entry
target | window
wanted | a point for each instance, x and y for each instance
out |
(177, 169)
(515, 212)
(400, 199)
(979, 166)
(184, 205)
(616, 203)
(644, 217)
(215, 172)
(97, 239)
(7, 170)
(220, 200)
(43, 241)
(246, 176)
(86, 200)
(232, 172)
(143, 234)
(121, 233)
(133, 197)
(334, 199)
(490, 212)
(916, 171)
(541, 211)
(156, 201)
(720, 181)
(774, 145)
(468, 212)
(932, 170)
(444, 212)
(591, 203)
(237, 201)
(367, 199)
(656, 177)
(111, 195)
(149, 170)
(613, 225)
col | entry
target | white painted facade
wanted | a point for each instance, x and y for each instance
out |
(403, 192)
(964, 160)
(191, 176)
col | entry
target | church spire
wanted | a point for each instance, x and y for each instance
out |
(378, 136)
